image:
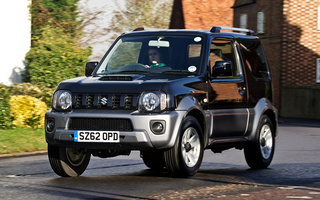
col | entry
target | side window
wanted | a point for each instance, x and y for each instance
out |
(223, 50)
(253, 56)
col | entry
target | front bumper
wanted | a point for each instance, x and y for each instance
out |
(140, 138)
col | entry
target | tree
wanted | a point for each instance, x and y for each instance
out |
(56, 14)
(55, 57)
(137, 13)
(57, 52)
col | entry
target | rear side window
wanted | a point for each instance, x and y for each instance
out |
(254, 58)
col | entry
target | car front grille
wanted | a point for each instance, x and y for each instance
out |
(105, 101)
(103, 124)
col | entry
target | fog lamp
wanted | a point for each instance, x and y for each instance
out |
(50, 125)
(157, 127)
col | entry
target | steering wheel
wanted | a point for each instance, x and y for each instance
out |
(135, 66)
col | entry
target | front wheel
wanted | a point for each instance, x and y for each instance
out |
(260, 152)
(154, 160)
(68, 162)
(185, 157)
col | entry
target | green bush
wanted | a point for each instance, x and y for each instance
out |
(5, 118)
(20, 89)
(27, 111)
(42, 93)
(55, 57)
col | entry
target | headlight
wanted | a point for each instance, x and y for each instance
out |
(152, 101)
(62, 100)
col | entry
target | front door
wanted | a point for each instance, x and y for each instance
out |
(227, 96)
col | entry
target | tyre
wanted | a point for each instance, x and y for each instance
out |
(260, 152)
(154, 160)
(67, 162)
(185, 157)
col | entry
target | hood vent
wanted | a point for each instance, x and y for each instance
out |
(116, 78)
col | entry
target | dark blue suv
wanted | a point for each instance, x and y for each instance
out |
(169, 94)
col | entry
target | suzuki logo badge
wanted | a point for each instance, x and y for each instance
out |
(104, 101)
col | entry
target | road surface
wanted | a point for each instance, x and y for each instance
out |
(293, 174)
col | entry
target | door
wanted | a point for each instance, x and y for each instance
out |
(227, 96)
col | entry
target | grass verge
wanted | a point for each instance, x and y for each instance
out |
(20, 140)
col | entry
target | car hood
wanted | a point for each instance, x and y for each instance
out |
(128, 83)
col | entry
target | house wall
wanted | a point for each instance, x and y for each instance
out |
(301, 48)
(15, 39)
(272, 36)
(292, 44)
(201, 14)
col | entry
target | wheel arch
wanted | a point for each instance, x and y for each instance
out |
(199, 117)
(194, 109)
(273, 117)
(263, 107)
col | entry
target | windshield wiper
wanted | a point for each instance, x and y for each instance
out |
(128, 72)
(179, 72)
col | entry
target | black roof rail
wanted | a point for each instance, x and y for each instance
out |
(217, 29)
(148, 29)
(138, 29)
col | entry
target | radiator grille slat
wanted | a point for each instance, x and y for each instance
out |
(102, 124)
(128, 101)
(89, 103)
(105, 101)
(78, 101)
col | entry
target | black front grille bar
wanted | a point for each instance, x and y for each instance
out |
(105, 101)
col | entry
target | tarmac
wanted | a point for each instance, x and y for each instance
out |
(281, 121)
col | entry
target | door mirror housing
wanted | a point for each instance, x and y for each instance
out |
(222, 68)
(90, 66)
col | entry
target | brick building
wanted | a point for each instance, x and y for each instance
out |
(201, 14)
(290, 32)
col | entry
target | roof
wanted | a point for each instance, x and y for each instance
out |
(239, 3)
(216, 30)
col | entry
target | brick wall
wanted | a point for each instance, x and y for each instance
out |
(203, 14)
(271, 38)
(301, 43)
(300, 94)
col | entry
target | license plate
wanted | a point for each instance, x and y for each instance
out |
(97, 136)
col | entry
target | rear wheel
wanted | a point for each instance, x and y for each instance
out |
(259, 154)
(185, 157)
(68, 162)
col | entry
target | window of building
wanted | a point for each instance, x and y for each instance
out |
(260, 22)
(243, 20)
(318, 70)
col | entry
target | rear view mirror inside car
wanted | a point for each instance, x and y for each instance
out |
(159, 43)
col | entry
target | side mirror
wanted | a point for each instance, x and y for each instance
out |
(90, 66)
(222, 68)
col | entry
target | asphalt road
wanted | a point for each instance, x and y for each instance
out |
(293, 174)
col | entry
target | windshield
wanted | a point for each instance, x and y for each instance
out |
(154, 54)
